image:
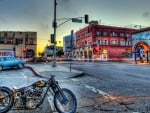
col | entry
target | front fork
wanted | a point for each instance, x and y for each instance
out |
(61, 96)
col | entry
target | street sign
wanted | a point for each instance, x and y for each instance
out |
(77, 20)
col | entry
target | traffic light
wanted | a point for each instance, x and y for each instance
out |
(86, 19)
(52, 38)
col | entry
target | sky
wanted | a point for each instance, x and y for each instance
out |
(37, 15)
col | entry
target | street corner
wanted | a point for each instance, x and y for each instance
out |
(61, 74)
(76, 74)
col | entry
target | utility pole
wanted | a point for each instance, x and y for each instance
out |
(54, 26)
(14, 49)
(71, 48)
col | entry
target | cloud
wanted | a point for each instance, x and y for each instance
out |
(44, 26)
(67, 6)
(146, 14)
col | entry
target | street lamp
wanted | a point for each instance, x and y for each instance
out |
(54, 26)
(53, 36)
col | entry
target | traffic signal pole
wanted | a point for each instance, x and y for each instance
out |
(54, 26)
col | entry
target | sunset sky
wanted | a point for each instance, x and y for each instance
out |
(37, 15)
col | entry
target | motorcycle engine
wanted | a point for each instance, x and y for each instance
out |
(33, 96)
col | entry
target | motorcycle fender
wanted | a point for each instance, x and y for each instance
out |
(4, 87)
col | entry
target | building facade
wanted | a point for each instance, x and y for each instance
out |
(103, 42)
(141, 44)
(69, 45)
(18, 43)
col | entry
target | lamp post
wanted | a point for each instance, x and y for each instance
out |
(54, 26)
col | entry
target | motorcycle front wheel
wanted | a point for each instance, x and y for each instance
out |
(6, 99)
(66, 103)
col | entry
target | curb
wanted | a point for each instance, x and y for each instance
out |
(33, 70)
(77, 75)
(36, 73)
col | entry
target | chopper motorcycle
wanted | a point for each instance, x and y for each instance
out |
(32, 96)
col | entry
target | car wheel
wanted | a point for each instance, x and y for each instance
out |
(1, 68)
(20, 66)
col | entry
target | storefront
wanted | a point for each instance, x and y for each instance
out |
(4, 52)
(141, 45)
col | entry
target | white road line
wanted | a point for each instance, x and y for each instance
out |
(95, 90)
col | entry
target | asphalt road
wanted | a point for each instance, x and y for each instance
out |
(120, 87)
(106, 87)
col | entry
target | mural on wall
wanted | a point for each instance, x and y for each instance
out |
(144, 36)
(140, 45)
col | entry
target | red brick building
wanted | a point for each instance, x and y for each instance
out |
(103, 42)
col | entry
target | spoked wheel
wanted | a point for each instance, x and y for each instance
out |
(67, 104)
(6, 100)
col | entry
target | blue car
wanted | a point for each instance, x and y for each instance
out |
(10, 61)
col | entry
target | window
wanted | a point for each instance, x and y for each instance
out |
(5, 34)
(10, 34)
(98, 33)
(98, 42)
(89, 43)
(105, 42)
(104, 33)
(113, 34)
(122, 43)
(9, 41)
(2, 34)
(82, 36)
(121, 34)
(20, 41)
(128, 43)
(30, 41)
(127, 35)
(1, 40)
(114, 42)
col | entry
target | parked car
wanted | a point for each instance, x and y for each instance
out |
(10, 61)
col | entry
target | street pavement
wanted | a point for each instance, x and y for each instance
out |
(43, 69)
(58, 71)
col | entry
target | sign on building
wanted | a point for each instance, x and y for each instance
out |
(6, 53)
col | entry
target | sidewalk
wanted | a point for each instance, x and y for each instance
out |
(60, 72)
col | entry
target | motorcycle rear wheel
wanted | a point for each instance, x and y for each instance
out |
(67, 105)
(6, 99)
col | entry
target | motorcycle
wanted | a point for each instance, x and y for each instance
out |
(32, 96)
